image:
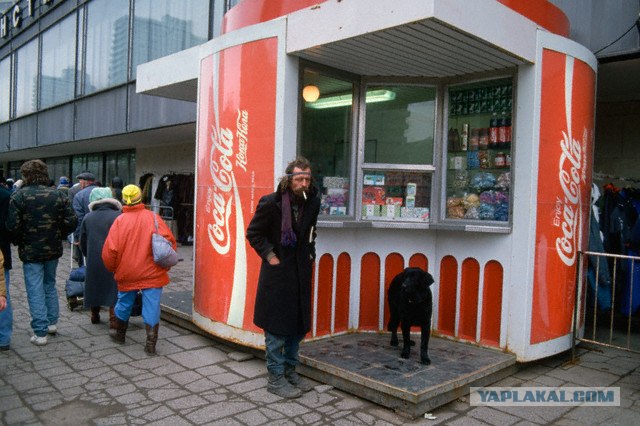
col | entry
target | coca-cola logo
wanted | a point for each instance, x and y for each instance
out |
(220, 196)
(568, 206)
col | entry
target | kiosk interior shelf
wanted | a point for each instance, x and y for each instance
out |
(478, 158)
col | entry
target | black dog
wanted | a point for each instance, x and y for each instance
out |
(410, 303)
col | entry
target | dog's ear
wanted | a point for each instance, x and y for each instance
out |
(428, 279)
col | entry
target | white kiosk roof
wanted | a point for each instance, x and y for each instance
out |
(411, 38)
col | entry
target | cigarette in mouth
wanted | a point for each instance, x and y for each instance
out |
(304, 194)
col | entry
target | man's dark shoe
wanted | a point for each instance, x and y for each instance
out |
(278, 385)
(5, 347)
(297, 380)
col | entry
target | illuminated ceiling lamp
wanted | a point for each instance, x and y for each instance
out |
(345, 100)
(310, 93)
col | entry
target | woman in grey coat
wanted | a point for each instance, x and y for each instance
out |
(100, 288)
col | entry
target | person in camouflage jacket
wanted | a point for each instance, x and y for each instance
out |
(40, 218)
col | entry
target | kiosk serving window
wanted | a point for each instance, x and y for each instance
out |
(398, 152)
(478, 151)
(326, 135)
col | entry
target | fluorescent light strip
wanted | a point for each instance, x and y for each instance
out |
(345, 100)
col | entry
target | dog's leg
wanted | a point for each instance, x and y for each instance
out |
(425, 333)
(393, 328)
(406, 340)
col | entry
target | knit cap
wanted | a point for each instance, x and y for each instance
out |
(64, 180)
(131, 195)
(99, 194)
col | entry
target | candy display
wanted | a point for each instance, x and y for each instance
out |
(480, 173)
(336, 195)
(483, 180)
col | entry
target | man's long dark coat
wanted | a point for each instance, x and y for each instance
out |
(283, 300)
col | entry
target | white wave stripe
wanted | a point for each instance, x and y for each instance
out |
(239, 290)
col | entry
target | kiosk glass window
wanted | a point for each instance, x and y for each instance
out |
(479, 151)
(398, 152)
(162, 27)
(5, 88)
(107, 45)
(57, 79)
(27, 78)
(326, 135)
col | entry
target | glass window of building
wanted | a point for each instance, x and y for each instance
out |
(326, 137)
(58, 166)
(107, 44)
(162, 27)
(57, 78)
(26, 88)
(398, 152)
(90, 162)
(121, 164)
(5, 88)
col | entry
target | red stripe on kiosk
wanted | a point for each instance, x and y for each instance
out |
(469, 288)
(447, 292)
(343, 291)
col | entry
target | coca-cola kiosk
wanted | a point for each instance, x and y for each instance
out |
(485, 182)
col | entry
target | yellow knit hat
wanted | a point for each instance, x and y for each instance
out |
(131, 195)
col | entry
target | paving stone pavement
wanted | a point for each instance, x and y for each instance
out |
(81, 377)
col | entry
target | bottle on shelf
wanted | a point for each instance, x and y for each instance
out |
(502, 130)
(493, 131)
(473, 140)
(483, 138)
(507, 125)
(464, 137)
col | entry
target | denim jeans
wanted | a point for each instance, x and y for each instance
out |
(150, 305)
(281, 351)
(6, 317)
(42, 295)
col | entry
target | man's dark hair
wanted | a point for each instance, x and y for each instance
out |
(285, 181)
(35, 172)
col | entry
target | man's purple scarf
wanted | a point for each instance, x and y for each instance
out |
(288, 236)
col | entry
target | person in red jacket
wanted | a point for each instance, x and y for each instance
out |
(127, 253)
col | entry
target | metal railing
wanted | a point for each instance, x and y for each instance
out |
(165, 212)
(608, 314)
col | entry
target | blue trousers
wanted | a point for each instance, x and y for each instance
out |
(281, 351)
(42, 295)
(150, 305)
(6, 317)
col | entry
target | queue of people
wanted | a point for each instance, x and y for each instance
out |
(114, 235)
(40, 216)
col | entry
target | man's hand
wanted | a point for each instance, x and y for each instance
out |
(3, 303)
(274, 261)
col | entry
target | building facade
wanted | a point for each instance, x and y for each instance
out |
(67, 85)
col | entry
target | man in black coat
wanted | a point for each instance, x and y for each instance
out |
(282, 232)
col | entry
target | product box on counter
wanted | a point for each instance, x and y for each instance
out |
(396, 201)
(390, 210)
(338, 211)
(372, 179)
(373, 195)
(415, 213)
(371, 210)
(335, 182)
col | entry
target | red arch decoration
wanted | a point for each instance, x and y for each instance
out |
(447, 295)
(469, 287)
(343, 291)
(492, 304)
(369, 291)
